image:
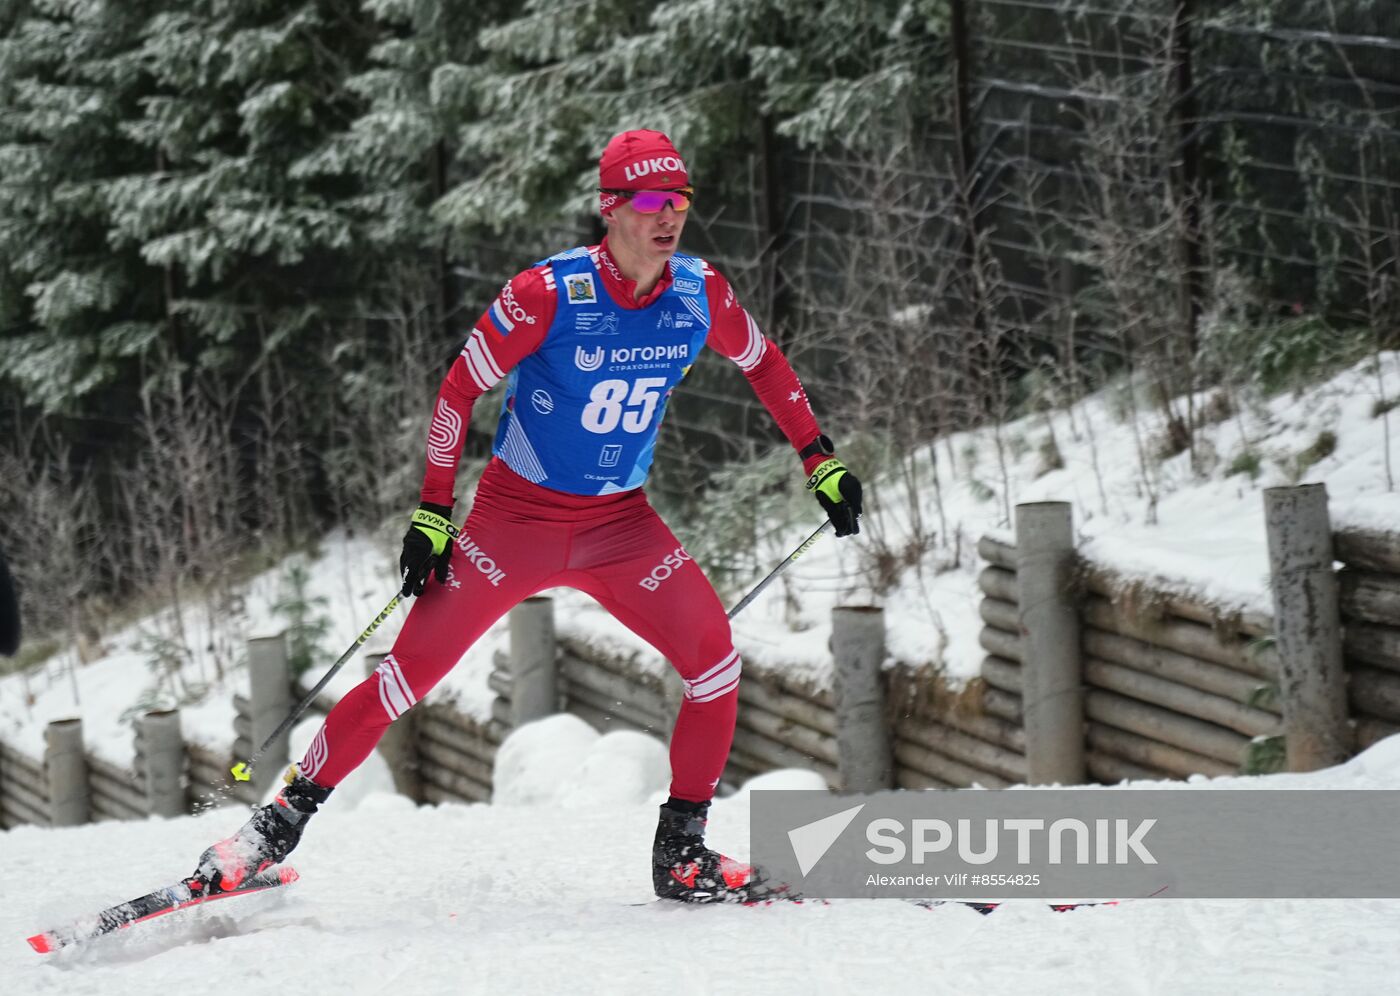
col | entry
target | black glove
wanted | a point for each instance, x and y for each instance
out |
(838, 491)
(426, 547)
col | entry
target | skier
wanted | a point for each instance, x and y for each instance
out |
(591, 342)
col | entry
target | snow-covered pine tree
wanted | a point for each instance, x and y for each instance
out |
(243, 90)
(560, 80)
(399, 155)
(401, 147)
(263, 264)
(835, 74)
(71, 309)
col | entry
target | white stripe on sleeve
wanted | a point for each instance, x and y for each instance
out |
(485, 371)
(757, 346)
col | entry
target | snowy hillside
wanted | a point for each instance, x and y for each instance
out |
(1141, 516)
(552, 896)
(540, 892)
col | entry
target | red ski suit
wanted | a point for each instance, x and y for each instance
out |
(521, 538)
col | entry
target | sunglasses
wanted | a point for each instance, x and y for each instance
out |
(652, 201)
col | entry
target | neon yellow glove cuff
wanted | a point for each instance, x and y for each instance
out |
(826, 479)
(435, 527)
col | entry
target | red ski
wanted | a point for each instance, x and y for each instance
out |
(184, 894)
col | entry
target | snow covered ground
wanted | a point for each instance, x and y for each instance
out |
(551, 896)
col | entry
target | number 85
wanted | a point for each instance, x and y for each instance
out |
(614, 401)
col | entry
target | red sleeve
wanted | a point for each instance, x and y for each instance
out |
(734, 333)
(507, 332)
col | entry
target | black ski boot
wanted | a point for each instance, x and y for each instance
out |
(266, 839)
(683, 868)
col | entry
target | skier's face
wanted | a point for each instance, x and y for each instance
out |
(653, 236)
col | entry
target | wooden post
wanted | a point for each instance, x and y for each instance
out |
(1052, 685)
(65, 767)
(534, 691)
(160, 752)
(1307, 627)
(269, 702)
(399, 744)
(863, 753)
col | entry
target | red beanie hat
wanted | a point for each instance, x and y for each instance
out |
(639, 160)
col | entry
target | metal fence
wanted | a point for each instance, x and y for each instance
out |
(1078, 144)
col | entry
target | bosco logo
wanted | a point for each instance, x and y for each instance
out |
(588, 360)
(669, 565)
(543, 403)
(513, 308)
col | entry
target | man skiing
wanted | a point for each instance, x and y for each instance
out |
(591, 342)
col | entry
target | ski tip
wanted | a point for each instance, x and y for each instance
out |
(43, 943)
(287, 875)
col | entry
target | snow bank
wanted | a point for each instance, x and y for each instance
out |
(561, 760)
(782, 780)
(537, 758)
(623, 766)
(1377, 512)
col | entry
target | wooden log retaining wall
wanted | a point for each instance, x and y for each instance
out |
(452, 753)
(1173, 686)
(114, 793)
(1177, 687)
(937, 741)
(24, 792)
(210, 783)
(1370, 605)
(455, 753)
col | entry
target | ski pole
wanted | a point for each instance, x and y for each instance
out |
(243, 770)
(787, 561)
